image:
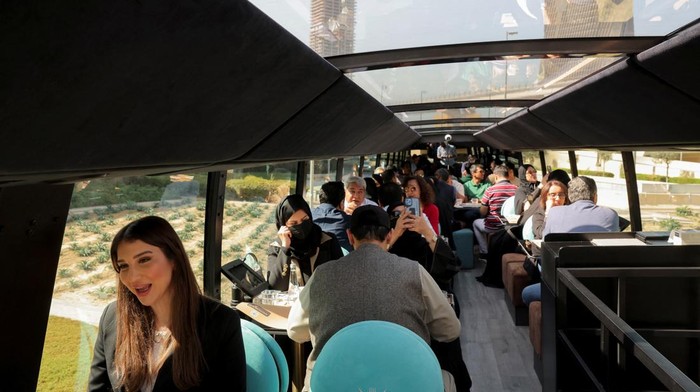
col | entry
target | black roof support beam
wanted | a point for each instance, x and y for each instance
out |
(487, 51)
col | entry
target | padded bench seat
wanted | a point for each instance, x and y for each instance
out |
(515, 278)
(535, 315)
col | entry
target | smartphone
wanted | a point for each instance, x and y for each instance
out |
(413, 205)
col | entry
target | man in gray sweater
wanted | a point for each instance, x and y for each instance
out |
(370, 284)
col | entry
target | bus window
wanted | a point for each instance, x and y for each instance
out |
(249, 213)
(669, 189)
(318, 173)
(602, 166)
(85, 280)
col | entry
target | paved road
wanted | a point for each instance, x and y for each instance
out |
(76, 310)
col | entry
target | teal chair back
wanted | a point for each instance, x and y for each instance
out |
(267, 369)
(376, 356)
(508, 207)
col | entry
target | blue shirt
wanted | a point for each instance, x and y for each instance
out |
(582, 216)
(332, 220)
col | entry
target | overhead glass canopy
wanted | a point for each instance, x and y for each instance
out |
(503, 79)
(466, 64)
(338, 27)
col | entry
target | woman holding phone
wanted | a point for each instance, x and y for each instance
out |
(299, 241)
(418, 188)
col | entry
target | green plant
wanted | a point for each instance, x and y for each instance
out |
(74, 284)
(201, 206)
(86, 251)
(106, 237)
(200, 244)
(670, 224)
(104, 292)
(86, 265)
(102, 258)
(65, 362)
(64, 273)
(185, 235)
(684, 211)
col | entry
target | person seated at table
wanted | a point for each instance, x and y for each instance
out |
(556, 175)
(491, 204)
(528, 190)
(583, 215)
(418, 187)
(162, 334)
(329, 215)
(477, 185)
(299, 241)
(356, 194)
(365, 284)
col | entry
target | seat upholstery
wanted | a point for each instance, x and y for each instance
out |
(508, 207)
(536, 326)
(376, 355)
(515, 278)
(260, 348)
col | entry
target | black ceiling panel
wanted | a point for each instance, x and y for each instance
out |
(676, 61)
(392, 135)
(525, 131)
(622, 106)
(120, 85)
(343, 121)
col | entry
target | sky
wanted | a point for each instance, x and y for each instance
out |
(391, 24)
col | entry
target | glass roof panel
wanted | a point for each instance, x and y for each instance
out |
(479, 125)
(485, 80)
(336, 27)
(466, 112)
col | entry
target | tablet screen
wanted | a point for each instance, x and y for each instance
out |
(251, 282)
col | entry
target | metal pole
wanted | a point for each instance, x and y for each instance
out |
(632, 190)
(573, 164)
(213, 229)
(301, 178)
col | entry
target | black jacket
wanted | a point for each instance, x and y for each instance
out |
(278, 260)
(219, 329)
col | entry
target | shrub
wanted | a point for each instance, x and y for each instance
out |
(74, 284)
(595, 173)
(86, 251)
(86, 265)
(670, 224)
(256, 188)
(64, 273)
(684, 211)
(102, 258)
(106, 237)
(201, 206)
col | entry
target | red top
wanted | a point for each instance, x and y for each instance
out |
(431, 211)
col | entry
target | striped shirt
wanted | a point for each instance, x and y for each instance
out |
(494, 197)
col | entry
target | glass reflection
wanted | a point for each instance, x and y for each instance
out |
(335, 27)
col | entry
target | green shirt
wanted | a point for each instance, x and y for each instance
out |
(472, 190)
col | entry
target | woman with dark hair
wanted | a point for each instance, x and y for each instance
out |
(528, 189)
(162, 334)
(300, 241)
(554, 193)
(417, 187)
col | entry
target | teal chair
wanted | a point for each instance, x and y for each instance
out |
(508, 207)
(266, 364)
(528, 234)
(376, 356)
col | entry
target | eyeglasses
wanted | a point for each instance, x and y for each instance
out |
(556, 195)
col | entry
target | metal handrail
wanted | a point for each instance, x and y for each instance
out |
(663, 369)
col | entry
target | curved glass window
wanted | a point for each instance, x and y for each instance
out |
(337, 27)
(85, 280)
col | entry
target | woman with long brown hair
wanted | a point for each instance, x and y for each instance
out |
(162, 334)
